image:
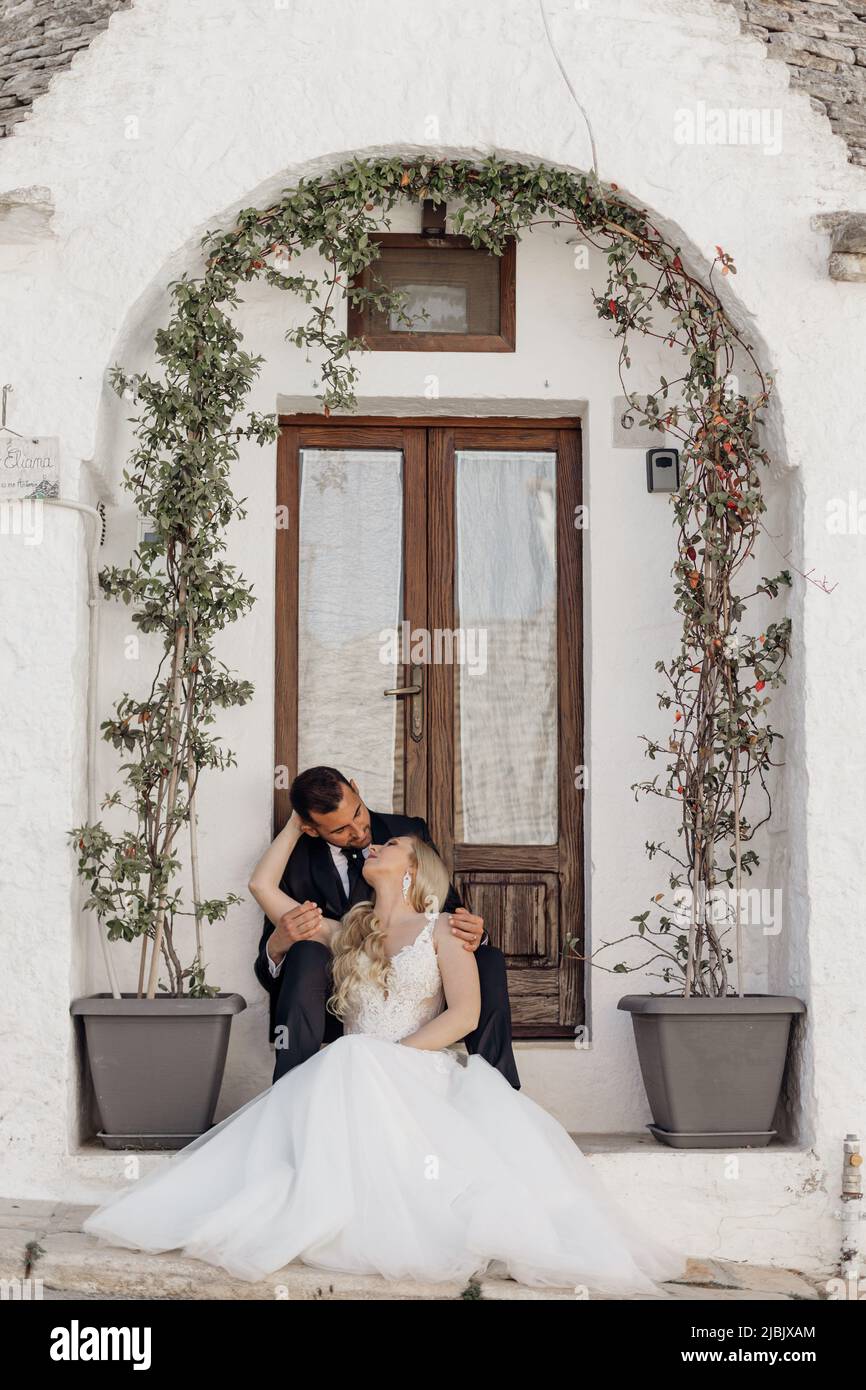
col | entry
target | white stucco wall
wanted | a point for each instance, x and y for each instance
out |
(233, 103)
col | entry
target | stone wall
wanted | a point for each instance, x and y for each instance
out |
(823, 43)
(39, 38)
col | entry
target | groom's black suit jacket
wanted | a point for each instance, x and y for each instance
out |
(311, 874)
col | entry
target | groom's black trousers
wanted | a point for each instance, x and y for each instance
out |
(303, 1024)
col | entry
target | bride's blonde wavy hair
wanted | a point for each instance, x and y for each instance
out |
(359, 950)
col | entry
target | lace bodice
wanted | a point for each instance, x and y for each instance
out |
(415, 993)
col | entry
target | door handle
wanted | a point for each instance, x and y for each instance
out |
(415, 692)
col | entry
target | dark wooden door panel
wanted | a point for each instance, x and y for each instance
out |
(535, 1006)
(521, 912)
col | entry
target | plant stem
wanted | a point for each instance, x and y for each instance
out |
(176, 733)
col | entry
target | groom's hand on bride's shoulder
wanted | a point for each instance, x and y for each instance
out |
(468, 927)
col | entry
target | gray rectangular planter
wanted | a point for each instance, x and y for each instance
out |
(157, 1065)
(712, 1068)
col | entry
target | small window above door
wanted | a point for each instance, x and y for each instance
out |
(457, 297)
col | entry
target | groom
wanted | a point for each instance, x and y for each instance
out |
(325, 868)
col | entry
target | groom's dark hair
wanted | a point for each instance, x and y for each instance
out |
(319, 790)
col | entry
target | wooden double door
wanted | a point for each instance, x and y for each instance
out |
(429, 645)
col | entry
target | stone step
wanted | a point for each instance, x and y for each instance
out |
(79, 1266)
(43, 1240)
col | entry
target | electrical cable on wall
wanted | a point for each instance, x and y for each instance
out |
(567, 82)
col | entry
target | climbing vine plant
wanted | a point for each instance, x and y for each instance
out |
(191, 417)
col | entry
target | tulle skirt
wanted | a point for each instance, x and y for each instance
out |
(377, 1158)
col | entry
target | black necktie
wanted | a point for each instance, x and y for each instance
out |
(355, 860)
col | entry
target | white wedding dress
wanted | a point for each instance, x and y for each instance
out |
(381, 1159)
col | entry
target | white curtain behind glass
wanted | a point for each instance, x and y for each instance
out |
(351, 549)
(506, 737)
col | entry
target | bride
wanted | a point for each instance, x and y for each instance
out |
(383, 1153)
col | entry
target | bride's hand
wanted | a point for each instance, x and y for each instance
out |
(467, 927)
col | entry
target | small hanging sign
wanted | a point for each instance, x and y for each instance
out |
(29, 467)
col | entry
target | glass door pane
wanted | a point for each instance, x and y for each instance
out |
(349, 606)
(505, 774)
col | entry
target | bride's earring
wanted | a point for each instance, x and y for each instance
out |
(407, 884)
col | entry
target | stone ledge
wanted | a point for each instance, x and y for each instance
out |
(73, 1265)
(641, 1141)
